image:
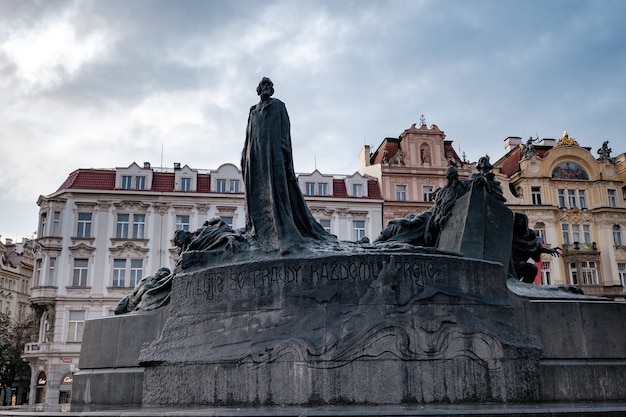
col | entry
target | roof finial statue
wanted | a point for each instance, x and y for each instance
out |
(528, 149)
(605, 152)
(422, 121)
(566, 140)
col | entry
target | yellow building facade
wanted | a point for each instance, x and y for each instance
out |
(574, 199)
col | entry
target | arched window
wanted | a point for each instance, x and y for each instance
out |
(40, 390)
(617, 235)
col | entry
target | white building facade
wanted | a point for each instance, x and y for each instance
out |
(104, 229)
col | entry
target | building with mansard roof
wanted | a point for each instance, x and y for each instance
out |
(104, 229)
(410, 168)
(574, 199)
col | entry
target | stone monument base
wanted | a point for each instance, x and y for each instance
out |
(379, 328)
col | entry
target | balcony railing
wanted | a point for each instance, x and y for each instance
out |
(36, 348)
(580, 247)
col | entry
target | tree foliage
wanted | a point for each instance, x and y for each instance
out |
(13, 338)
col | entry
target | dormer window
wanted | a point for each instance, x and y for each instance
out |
(185, 184)
(310, 188)
(356, 185)
(134, 177)
(140, 182)
(234, 186)
(127, 181)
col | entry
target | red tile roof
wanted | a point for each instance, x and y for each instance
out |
(204, 183)
(163, 182)
(104, 179)
(510, 165)
(388, 148)
(89, 179)
(373, 191)
(339, 188)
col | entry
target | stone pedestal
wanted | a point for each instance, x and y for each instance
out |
(109, 368)
(379, 328)
(480, 227)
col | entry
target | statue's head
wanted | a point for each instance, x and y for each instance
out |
(452, 172)
(484, 164)
(265, 87)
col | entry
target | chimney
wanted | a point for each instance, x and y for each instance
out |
(146, 165)
(512, 142)
(176, 165)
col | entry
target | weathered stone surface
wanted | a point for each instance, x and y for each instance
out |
(417, 328)
(109, 367)
(479, 234)
(584, 347)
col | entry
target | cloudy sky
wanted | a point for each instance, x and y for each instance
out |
(102, 84)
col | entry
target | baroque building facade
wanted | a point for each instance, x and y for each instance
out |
(410, 168)
(574, 200)
(104, 229)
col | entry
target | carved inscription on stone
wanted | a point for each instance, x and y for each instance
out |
(233, 283)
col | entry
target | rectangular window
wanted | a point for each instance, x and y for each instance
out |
(325, 224)
(309, 188)
(136, 271)
(37, 273)
(221, 186)
(587, 234)
(427, 193)
(576, 232)
(84, 225)
(358, 230)
(234, 186)
(565, 229)
(79, 278)
(612, 198)
(357, 190)
(228, 220)
(139, 225)
(322, 188)
(540, 231)
(127, 181)
(571, 198)
(76, 326)
(621, 269)
(546, 273)
(617, 235)
(56, 223)
(42, 224)
(140, 182)
(401, 192)
(182, 223)
(573, 273)
(561, 193)
(51, 278)
(536, 195)
(589, 272)
(582, 199)
(119, 272)
(185, 184)
(122, 226)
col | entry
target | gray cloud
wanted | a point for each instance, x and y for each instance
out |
(105, 83)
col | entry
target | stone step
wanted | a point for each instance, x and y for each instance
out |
(603, 409)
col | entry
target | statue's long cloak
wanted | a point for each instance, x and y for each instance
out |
(277, 215)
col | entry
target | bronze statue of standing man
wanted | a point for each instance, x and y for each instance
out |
(277, 216)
